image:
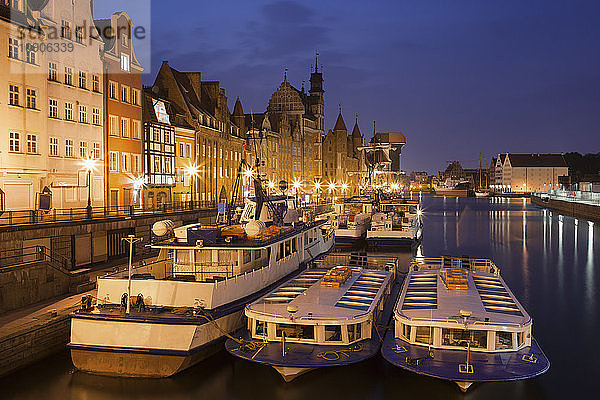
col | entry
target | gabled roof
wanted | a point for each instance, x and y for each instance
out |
(537, 160)
(339, 124)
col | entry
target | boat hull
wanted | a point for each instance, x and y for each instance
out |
(148, 347)
(451, 365)
(374, 241)
(455, 192)
(129, 363)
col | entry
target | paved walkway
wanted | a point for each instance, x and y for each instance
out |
(38, 314)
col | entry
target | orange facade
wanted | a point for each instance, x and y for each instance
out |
(122, 116)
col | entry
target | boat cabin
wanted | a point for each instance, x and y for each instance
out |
(452, 304)
(329, 307)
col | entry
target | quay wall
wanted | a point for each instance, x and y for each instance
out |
(34, 282)
(573, 209)
(31, 344)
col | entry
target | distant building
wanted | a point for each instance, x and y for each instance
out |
(341, 155)
(526, 173)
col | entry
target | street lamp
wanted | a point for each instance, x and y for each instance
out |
(296, 185)
(317, 189)
(89, 164)
(138, 186)
(331, 190)
(192, 171)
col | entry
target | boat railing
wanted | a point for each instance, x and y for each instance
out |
(470, 323)
(357, 260)
(464, 262)
(286, 317)
(203, 271)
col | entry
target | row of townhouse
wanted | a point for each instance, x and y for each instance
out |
(72, 94)
(171, 142)
(526, 173)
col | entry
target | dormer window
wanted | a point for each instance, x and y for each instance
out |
(124, 39)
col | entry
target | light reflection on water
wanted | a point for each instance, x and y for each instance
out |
(548, 262)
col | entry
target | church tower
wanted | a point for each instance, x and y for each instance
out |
(317, 103)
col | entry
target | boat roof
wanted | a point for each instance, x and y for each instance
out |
(233, 236)
(356, 297)
(428, 295)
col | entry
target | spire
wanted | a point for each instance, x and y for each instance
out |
(316, 61)
(285, 75)
(356, 130)
(237, 109)
(339, 124)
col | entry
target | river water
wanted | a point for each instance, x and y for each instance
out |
(551, 263)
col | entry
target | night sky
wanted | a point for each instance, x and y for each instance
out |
(457, 77)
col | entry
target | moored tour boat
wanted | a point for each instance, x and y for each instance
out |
(321, 318)
(457, 320)
(351, 219)
(397, 222)
(182, 306)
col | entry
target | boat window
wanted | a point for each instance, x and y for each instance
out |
(280, 251)
(455, 337)
(269, 254)
(261, 328)
(424, 335)
(333, 333)
(292, 331)
(504, 340)
(294, 248)
(520, 336)
(247, 256)
(464, 338)
(406, 331)
(288, 248)
(479, 339)
(354, 332)
(257, 254)
(183, 256)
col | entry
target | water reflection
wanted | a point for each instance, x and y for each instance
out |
(551, 271)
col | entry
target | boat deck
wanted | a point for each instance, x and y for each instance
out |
(313, 302)
(427, 296)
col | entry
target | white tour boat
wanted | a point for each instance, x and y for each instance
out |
(397, 222)
(323, 317)
(176, 311)
(351, 219)
(457, 320)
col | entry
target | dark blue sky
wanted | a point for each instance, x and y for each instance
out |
(456, 77)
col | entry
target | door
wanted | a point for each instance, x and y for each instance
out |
(114, 199)
(117, 247)
(126, 197)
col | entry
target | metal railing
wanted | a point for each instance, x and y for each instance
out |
(356, 260)
(573, 196)
(464, 262)
(16, 257)
(28, 217)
